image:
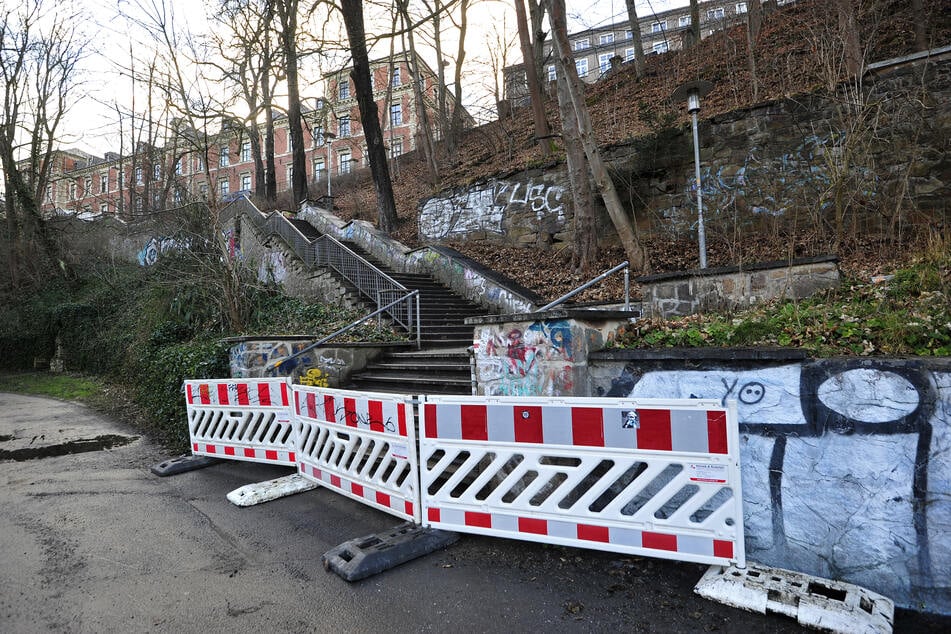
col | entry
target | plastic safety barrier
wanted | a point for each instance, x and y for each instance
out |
(241, 419)
(361, 444)
(652, 477)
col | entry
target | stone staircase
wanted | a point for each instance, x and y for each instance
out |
(441, 365)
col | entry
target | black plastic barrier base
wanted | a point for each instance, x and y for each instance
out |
(366, 556)
(181, 464)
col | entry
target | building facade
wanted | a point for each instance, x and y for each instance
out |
(193, 165)
(595, 51)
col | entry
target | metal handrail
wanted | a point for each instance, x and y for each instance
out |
(271, 367)
(328, 252)
(627, 287)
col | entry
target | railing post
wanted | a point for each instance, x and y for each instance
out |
(627, 289)
(419, 324)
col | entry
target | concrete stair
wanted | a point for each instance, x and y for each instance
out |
(441, 365)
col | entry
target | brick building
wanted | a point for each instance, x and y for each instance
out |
(154, 178)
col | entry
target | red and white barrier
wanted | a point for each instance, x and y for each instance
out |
(360, 444)
(241, 419)
(650, 477)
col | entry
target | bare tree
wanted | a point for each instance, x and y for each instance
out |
(287, 15)
(754, 22)
(352, 11)
(627, 231)
(636, 35)
(694, 22)
(40, 50)
(425, 129)
(542, 130)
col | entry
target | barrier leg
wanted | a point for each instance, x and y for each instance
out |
(260, 492)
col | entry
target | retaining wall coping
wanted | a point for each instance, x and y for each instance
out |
(578, 314)
(730, 270)
(493, 276)
(710, 354)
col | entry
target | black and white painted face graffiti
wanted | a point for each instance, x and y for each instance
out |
(842, 465)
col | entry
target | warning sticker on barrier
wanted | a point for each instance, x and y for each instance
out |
(362, 444)
(642, 476)
(241, 419)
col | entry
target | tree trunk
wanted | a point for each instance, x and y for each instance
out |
(287, 12)
(542, 131)
(386, 207)
(585, 245)
(627, 231)
(425, 133)
(920, 19)
(849, 29)
(636, 35)
(457, 124)
(694, 21)
(754, 22)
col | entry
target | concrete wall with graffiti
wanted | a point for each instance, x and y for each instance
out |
(541, 357)
(515, 210)
(325, 366)
(464, 276)
(846, 462)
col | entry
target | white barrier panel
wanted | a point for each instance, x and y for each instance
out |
(362, 444)
(640, 476)
(241, 419)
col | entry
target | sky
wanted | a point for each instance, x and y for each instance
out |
(91, 123)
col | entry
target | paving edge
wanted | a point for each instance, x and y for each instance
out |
(823, 604)
(366, 556)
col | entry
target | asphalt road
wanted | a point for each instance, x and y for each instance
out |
(93, 542)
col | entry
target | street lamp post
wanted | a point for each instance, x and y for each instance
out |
(692, 92)
(329, 137)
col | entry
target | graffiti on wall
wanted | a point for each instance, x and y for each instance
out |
(272, 268)
(249, 358)
(845, 466)
(771, 185)
(156, 247)
(537, 360)
(484, 207)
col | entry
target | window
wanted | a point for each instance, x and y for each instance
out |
(179, 167)
(203, 190)
(604, 62)
(319, 168)
(628, 54)
(223, 156)
(246, 182)
(658, 27)
(365, 154)
(629, 34)
(224, 187)
(290, 174)
(318, 136)
(199, 164)
(103, 183)
(715, 14)
(138, 175)
(396, 115)
(344, 90)
(121, 179)
(343, 160)
(741, 7)
(156, 172)
(580, 45)
(49, 193)
(138, 204)
(660, 47)
(178, 197)
(344, 130)
(396, 147)
(551, 73)
(606, 38)
(245, 151)
(683, 20)
(87, 186)
(581, 65)
(103, 208)
(290, 142)
(395, 77)
(72, 191)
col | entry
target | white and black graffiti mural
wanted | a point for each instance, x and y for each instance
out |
(486, 206)
(846, 466)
